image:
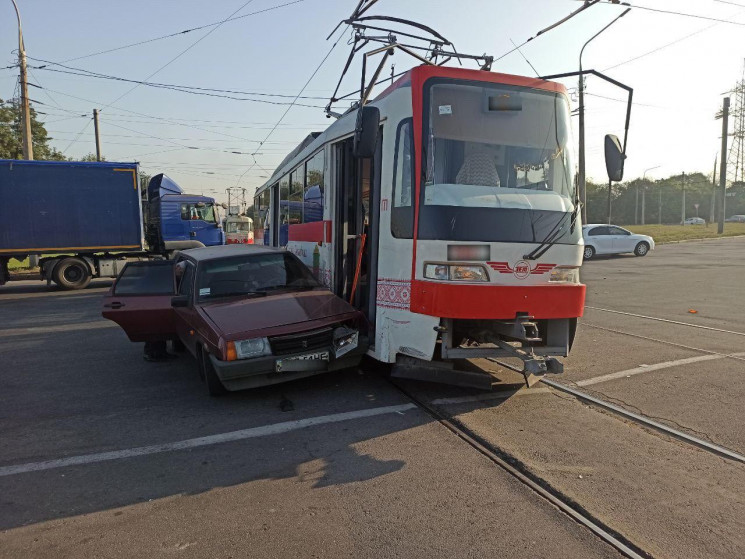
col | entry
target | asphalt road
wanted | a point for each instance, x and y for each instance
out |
(105, 455)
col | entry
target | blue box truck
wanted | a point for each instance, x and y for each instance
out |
(86, 220)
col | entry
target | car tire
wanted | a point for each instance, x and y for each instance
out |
(215, 387)
(72, 273)
(641, 249)
(588, 253)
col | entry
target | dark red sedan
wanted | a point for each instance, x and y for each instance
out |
(251, 315)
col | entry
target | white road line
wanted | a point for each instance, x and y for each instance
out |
(254, 432)
(585, 382)
(667, 320)
(6, 332)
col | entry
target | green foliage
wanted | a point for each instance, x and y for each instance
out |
(11, 143)
(88, 157)
(665, 195)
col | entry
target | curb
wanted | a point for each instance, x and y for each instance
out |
(699, 240)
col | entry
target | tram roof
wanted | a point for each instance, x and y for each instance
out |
(345, 124)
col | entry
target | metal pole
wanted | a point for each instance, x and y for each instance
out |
(98, 140)
(28, 144)
(659, 211)
(723, 165)
(683, 204)
(610, 189)
(636, 207)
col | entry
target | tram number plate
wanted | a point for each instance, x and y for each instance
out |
(297, 363)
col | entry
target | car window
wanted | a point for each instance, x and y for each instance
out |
(253, 274)
(145, 278)
(598, 231)
(186, 282)
(618, 231)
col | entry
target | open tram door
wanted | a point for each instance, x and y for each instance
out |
(357, 213)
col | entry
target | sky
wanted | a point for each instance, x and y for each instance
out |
(192, 138)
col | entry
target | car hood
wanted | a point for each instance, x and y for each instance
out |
(276, 314)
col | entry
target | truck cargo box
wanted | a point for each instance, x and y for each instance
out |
(59, 206)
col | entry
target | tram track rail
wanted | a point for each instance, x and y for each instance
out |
(667, 320)
(638, 418)
(518, 470)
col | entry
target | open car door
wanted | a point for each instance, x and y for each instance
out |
(140, 301)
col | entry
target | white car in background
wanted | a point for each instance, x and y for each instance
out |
(611, 239)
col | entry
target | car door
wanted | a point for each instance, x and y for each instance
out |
(600, 238)
(140, 301)
(622, 240)
(185, 317)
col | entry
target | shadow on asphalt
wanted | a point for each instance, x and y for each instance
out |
(74, 393)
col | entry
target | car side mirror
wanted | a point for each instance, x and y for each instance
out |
(614, 158)
(180, 301)
(366, 132)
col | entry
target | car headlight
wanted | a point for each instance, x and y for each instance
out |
(345, 340)
(455, 272)
(246, 349)
(564, 274)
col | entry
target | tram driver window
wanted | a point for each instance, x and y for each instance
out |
(402, 211)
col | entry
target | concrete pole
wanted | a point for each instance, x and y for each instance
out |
(98, 140)
(28, 144)
(644, 192)
(636, 206)
(683, 204)
(723, 165)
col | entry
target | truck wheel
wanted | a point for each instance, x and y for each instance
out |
(214, 386)
(71, 273)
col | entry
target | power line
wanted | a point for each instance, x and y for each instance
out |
(184, 32)
(661, 47)
(313, 75)
(659, 11)
(87, 124)
(90, 73)
(179, 55)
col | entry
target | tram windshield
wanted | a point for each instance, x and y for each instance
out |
(498, 163)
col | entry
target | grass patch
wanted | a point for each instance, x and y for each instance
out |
(668, 233)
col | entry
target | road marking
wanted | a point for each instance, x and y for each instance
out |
(585, 382)
(5, 332)
(667, 320)
(254, 432)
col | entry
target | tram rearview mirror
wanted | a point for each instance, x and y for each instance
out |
(614, 158)
(366, 132)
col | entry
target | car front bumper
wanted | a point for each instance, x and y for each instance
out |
(262, 371)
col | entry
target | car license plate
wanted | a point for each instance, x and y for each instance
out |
(296, 363)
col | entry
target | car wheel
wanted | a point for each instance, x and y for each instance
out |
(641, 249)
(214, 386)
(71, 273)
(588, 253)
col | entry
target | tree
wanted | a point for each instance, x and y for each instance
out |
(88, 157)
(11, 143)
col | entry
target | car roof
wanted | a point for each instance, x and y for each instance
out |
(226, 251)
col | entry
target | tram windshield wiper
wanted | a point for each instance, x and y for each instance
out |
(554, 234)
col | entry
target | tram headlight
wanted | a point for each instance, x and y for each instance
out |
(455, 272)
(564, 274)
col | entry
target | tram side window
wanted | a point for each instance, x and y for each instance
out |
(314, 188)
(402, 210)
(296, 197)
(284, 209)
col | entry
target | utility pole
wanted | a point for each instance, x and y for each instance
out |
(98, 140)
(610, 200)
(28, 144)
(644, 191)
(683, 205)
(723, 165)
(636, 206)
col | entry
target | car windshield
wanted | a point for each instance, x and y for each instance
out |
(252, 274)
(498, 163)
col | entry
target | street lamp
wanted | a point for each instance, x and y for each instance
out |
(582, 178)
(644, 192)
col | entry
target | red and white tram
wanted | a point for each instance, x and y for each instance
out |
(446, 210)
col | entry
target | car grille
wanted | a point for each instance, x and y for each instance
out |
(303, 341)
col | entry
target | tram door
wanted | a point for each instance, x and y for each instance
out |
(357, 215)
